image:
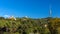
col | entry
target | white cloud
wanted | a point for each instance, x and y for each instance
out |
(6, 16)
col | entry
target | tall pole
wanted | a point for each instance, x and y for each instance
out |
(50, 12)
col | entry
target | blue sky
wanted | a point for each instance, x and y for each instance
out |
(31, 8)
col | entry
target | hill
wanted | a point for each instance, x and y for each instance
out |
(24, 25)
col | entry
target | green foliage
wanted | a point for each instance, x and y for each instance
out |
(29, 25)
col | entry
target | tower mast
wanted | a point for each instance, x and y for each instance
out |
(50, 12)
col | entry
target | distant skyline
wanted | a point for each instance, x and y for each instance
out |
(30, 8)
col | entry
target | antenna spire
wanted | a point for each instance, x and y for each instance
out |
(50, 12)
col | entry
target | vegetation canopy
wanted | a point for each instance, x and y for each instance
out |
(24, 25)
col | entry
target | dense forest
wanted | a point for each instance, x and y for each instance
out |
(25, 25)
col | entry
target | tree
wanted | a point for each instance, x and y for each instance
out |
(53, 25)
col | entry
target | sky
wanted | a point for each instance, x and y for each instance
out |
(30, 8)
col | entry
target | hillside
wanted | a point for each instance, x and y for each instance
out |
(29, 25)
